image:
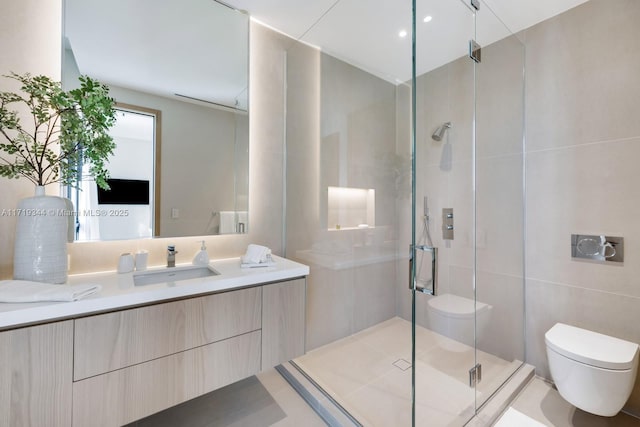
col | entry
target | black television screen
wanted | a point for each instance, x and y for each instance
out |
(124, 192)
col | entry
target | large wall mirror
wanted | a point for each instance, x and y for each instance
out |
(179, 74)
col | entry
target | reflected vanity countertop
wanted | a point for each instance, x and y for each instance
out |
(353, 257)
(118, 291)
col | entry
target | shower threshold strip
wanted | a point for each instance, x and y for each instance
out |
(331, 412)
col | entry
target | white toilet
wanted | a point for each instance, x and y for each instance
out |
(453, 316)
(592, 371)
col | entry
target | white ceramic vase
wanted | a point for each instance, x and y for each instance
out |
(41, 238)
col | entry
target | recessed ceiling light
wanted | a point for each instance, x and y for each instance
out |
(427, 18)
(402, 33)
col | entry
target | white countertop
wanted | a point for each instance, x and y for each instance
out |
(118, 291)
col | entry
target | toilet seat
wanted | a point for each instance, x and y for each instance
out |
(456, 306)
(591, 348)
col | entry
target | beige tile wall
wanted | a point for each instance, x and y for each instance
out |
(583, 146)
(443, 175)
(449, 178)
(340, 132)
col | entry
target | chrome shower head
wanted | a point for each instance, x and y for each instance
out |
(440, 131)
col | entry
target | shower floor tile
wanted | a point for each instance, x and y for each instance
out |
(386, 401)
(345, 365)
(359, 372)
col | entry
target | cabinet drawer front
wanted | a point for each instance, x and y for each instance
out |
(283, 322)
(138, 391)
(35, 375)
(111, 341)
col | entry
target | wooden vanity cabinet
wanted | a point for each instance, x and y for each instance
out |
(114, 368)
(116, 340)
(132, 363)
(122, 396)
(283, 322)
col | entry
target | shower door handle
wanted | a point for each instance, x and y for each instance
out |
(434, 269)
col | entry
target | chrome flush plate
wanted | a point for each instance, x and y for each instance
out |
(597, 247)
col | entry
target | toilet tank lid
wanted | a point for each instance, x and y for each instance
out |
(592, 348)
(456, 306)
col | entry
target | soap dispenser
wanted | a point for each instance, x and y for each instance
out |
(202, 257)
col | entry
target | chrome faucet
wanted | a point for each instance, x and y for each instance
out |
(171, 256)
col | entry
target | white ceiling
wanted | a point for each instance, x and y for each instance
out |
(164, 47)
(174, 46)
(365, 32)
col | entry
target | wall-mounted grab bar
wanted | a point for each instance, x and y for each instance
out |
(434, 270)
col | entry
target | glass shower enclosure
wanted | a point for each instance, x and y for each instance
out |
(404, 195)
(468, 200)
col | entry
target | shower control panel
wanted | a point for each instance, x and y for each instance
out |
(447, 223)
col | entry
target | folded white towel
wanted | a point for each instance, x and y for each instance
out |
(227, 222)
(257, 264)
(26, 291)
(256, 254)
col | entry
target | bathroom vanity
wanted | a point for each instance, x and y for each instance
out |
(131, 351)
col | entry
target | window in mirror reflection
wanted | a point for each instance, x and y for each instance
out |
(124, 211)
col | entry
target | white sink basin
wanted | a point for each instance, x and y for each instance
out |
(172, 274)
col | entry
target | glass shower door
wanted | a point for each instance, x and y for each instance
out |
(468, 203)
(444, 210)
(499, 193)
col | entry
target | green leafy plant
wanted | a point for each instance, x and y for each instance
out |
(68, 129)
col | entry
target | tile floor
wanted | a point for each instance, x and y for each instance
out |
(297, 412)
(263, 400)
(367, 374)
(541, 403)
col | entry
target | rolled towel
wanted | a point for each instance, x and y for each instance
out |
(25, 291)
